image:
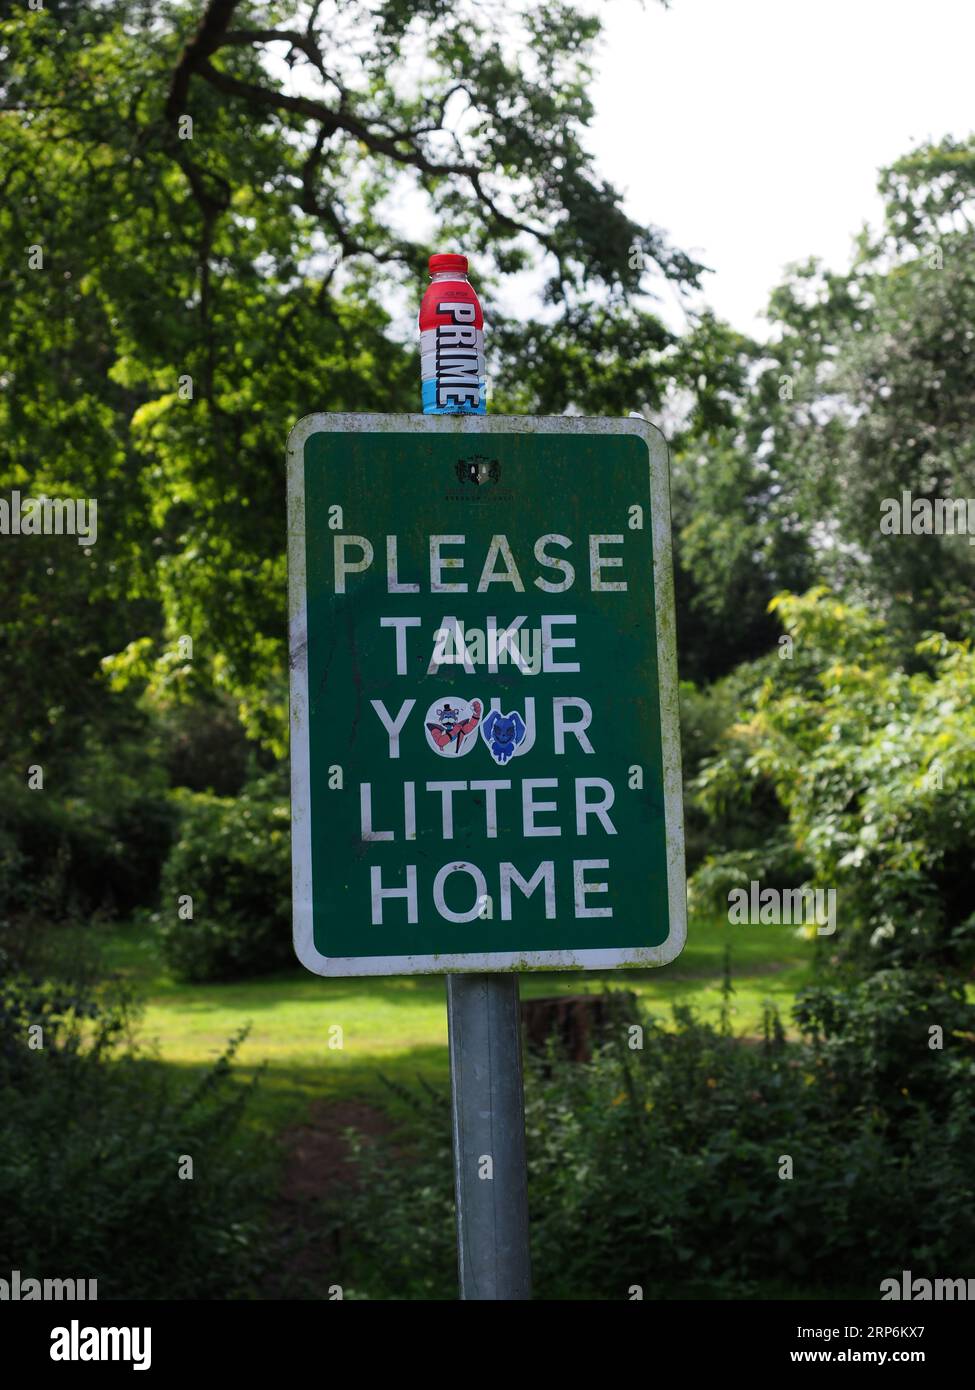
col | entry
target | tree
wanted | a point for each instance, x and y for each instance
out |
(219, 195)
(737, 539)
(881, 368)
(874, 767)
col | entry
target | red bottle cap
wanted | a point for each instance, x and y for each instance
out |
(440, 263)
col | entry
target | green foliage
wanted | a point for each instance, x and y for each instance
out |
(733, 554)
(199, 295)
(874, 767)
(875, 1039)
(204, 747)
(735, 543)
(412, 1252)
(94, 837)
(772, 860)
(865, 390)
(660, 1167)
(90, 1150)
(881, 370)
(750, 829)
(233, 857)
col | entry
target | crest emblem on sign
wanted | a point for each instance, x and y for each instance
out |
(503, 734)
(451, 726)
(478, 469)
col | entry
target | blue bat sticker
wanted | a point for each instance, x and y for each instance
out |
(503, 733)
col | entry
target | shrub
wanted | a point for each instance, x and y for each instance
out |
(873, 764)
(204, 747)
(90, 1148)
(891, 1041)
(96, 841)
(408, 1188)
(661, 1166)
(727, 827)
(233, 858)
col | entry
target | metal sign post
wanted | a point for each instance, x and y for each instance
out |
(488, 1112)
(485, 754)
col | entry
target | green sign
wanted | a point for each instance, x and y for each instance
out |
(485, 756)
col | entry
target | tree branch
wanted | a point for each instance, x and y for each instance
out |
(310, 204)
(402, 148)
(332, 121)
(304, 42)
(209, 36)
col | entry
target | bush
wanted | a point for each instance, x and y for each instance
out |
(661, 1166)
(94, 842)
(233, 858)
(726, 831)
(204, 746)
(408, 1188)
(874, 766)
(90, 1149)
(878, 1039)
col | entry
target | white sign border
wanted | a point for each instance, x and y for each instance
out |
(474, 425)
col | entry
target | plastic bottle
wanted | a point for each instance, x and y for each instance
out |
(451, 342)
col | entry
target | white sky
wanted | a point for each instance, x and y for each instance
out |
(752, 130)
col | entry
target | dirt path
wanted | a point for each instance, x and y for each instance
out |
(317, 1167)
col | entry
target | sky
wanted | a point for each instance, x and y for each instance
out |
(752, 130)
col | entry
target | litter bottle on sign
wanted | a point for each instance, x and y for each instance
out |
(451, 342)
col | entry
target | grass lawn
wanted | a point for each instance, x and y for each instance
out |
(397, 1026)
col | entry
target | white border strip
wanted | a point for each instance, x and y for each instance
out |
(663, 577)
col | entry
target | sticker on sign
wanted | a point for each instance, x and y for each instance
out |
(484, 735)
